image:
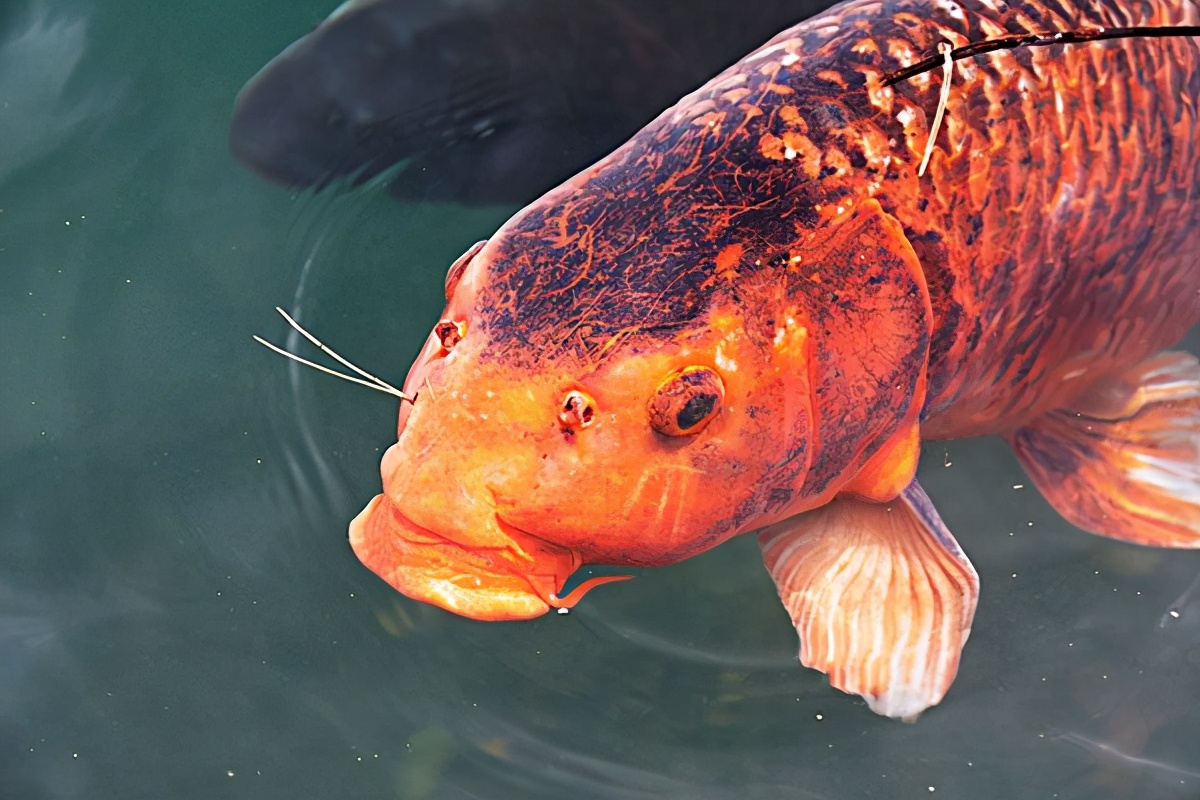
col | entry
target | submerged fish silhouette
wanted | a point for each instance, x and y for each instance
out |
(749, 316)
(488, 101)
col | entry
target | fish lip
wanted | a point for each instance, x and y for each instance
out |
(478, 582)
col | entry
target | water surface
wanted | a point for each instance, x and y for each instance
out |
(181, 616)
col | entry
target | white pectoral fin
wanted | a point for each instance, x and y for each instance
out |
(881, 596)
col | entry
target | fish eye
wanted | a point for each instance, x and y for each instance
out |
(577, 411)
(460, 264)
(686, 401)
(449, 332)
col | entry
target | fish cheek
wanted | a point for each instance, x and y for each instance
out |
(588, 488)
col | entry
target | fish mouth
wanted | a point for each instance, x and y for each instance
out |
(482, 583)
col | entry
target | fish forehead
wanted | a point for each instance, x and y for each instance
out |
(566, 296)
(638, 247)
(570, 276)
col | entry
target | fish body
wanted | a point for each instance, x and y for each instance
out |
(485, 101)
(749, 316)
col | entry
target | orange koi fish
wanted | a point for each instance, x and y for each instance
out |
(749, 316)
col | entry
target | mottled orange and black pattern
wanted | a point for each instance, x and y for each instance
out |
(771, 232)
(1058, 225)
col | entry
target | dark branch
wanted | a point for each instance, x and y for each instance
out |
(1037, 40)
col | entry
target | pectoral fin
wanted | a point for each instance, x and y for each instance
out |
(881, 596)
(1124, 461)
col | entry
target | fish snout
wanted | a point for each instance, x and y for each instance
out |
(514, 581)
(436, 534)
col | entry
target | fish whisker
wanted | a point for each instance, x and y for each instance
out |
(371, 382)
(385, 389)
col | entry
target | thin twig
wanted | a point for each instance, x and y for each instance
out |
(1043, 39)
(947, 73)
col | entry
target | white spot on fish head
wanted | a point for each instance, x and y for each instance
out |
(723, 361)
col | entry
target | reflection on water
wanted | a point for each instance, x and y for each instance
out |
(180, 614)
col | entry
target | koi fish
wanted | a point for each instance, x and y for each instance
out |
(749, 316)
(486, 101)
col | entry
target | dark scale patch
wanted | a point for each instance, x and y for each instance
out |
(826, 116)
(1058, 9)
(632, 253)
(625, 255)
(1029, 359)
(747, 510)
(947, 312)
(1055, 456)
(778, 499)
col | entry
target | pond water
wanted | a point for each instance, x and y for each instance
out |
(181, 616)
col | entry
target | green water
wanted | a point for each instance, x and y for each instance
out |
(180, 614)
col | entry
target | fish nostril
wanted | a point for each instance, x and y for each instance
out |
(578, 410)
(449, 333)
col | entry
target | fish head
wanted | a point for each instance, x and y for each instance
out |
(546, 433)
(632, 370)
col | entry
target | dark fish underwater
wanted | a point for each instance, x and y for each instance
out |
(748, 317)
(488, 101)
